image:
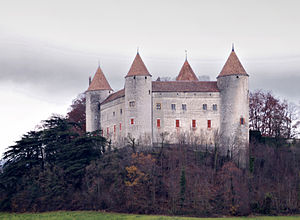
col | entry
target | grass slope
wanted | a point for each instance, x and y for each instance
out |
(89, 215)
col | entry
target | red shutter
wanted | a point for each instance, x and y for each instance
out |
(194, 123)
(114, 128)
(107, 130)
(177, 123)
(208, 123)
(132, 121)
(120, 126)
(158, 123)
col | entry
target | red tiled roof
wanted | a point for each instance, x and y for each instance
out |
(99, 82)
(114, 96)
(184, 86)
(186, 73)
(138, 67)
(172, 86)
(232, 66)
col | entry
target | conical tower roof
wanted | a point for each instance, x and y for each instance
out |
(186, 73)
(138, 67)
(99, 82)
(233, 66)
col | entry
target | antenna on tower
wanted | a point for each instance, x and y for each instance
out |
(232, 47)
(98, 62)
(185, 54)
(137, 49)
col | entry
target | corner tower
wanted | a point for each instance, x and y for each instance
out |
(138, 102)
(234, 116)
(98, 91)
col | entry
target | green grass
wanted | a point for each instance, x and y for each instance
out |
(86, 215)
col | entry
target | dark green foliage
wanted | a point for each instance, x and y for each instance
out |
(47, 162)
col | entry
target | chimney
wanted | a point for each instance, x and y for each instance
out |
(90, 80)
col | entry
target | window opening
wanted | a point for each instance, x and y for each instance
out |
(173, 106)
(158, 106)
(131, 104)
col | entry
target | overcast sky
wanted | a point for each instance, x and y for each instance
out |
(48, 49)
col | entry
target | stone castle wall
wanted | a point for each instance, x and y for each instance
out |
(113, 120)
(193, 102)
(235, 107)
(138, 108)
(93, 100)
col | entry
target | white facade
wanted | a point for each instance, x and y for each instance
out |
(183, 111)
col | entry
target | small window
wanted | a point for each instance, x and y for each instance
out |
(120, 126)
(158, 123)
(173, 106)
(184, 107)
(134, 77)
(193, 123)
(158, 106)
(242, 121)
(177, 123)
(204, 107)
(208, 123)
(101, 132)
(132, 121)
(131, 104)
(215, 108)
(121, 111)
(115, 128)
(114, 114)
(145, 77)
(98, 106)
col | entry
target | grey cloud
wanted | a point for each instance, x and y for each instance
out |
(57, 73)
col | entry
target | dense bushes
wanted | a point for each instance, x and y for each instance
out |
(81, 174)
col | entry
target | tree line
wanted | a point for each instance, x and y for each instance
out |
(61, 167)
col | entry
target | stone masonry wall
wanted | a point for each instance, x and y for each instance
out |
(194, 111)
(93, 100)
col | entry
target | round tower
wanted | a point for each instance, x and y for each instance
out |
(99, 89)
(138, 102)
(234, 116)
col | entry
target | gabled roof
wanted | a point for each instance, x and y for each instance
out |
(184, 86)
(186, 73)
(138, 67)
(99, 82)
(232, 66)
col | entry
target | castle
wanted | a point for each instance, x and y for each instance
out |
(211, 113)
